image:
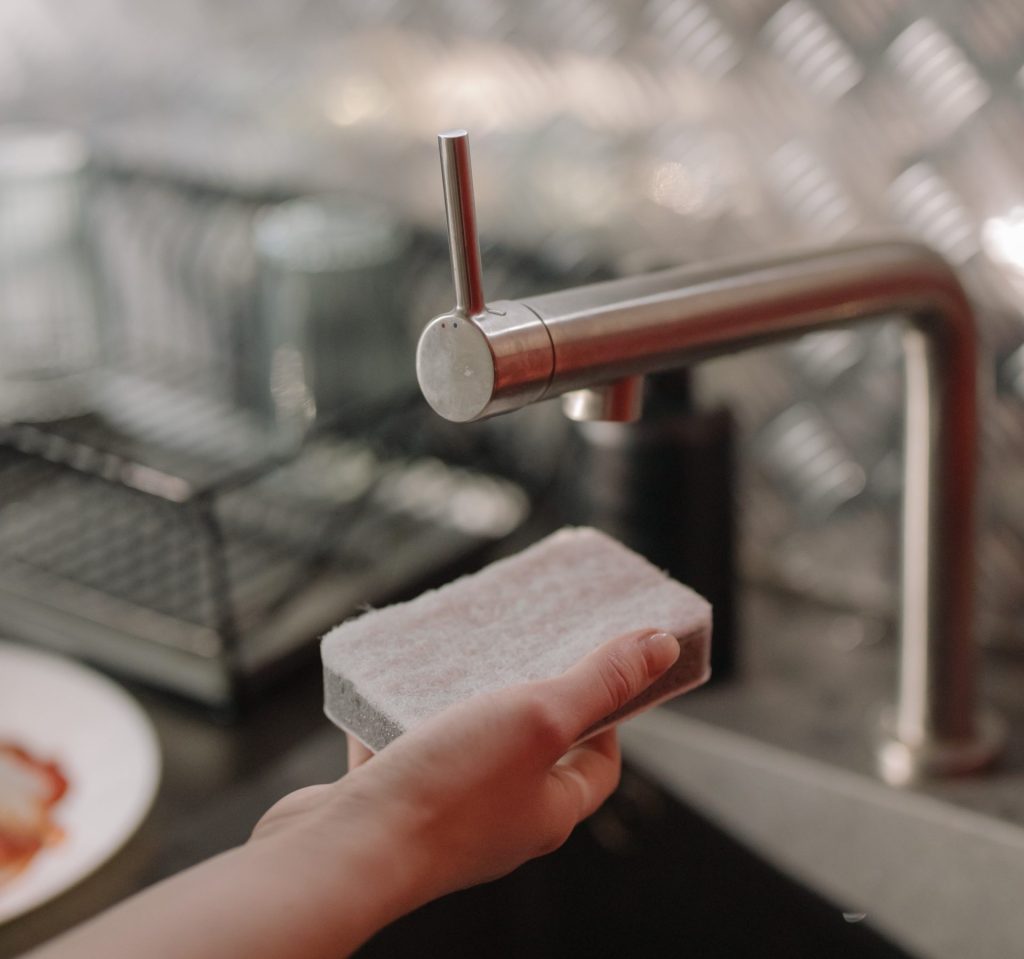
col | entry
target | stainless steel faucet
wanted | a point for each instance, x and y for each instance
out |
(593, 344)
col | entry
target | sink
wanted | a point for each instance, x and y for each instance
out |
(779, 760)
(750, 822)
(645, 876)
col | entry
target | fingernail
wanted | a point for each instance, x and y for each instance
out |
(659, 642)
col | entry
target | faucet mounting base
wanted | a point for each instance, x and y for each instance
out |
(902, 763)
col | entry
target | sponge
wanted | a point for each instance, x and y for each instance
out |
(528, 617)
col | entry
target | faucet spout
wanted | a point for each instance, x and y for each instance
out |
(519, 352)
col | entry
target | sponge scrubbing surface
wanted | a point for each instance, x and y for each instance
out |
(530, 616)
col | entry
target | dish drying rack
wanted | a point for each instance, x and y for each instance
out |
(168, 536)
(195, 560)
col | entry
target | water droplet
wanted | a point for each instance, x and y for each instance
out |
(855, 916)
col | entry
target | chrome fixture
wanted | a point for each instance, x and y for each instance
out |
(591, 344)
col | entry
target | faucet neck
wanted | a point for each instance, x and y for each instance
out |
(593, 335)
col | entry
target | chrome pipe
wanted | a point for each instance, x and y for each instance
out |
(519, 352)
(463, 243)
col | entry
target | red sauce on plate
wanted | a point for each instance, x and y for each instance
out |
(29, 790)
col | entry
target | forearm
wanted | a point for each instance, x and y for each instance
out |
(465, 798)
(273, 897)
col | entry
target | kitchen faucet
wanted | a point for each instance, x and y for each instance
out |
(593, 344)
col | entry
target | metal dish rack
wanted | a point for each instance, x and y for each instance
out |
(202, 573)
(168, 535)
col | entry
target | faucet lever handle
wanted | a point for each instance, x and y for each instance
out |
(457, 178)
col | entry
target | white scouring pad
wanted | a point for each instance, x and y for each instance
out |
(530, 616)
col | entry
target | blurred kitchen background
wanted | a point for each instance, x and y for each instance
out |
(221, 230)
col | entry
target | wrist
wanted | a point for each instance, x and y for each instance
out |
(362, 869)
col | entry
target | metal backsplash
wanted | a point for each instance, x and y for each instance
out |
(631, 135)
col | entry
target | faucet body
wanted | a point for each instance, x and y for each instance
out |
(511, 353)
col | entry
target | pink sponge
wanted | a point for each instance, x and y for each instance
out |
(527, 617)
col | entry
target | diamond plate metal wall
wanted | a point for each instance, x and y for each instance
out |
(636, 135)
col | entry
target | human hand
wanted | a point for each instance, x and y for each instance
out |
(492, 782)
(466, 797)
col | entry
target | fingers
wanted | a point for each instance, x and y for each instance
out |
(357, 752)
(606, 679)
(590, 772)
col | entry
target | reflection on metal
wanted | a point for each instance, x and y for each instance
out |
(617, 402)
(816, 53)
(690, 31)
(457, 179)
(927, 203)
(290, 388)
(807, 459)
(811, 191)
(937, 72)
(602, 333)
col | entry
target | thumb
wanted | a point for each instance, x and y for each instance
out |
(606, 679)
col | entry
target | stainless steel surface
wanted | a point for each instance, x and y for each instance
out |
(502, 362)
(620, 401)
(457, 178)
(780, 759)
(624, 328)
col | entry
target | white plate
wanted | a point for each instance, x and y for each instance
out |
(104, 745)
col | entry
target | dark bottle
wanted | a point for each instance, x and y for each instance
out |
(664, 487)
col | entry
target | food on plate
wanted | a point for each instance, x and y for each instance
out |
(30, 788)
